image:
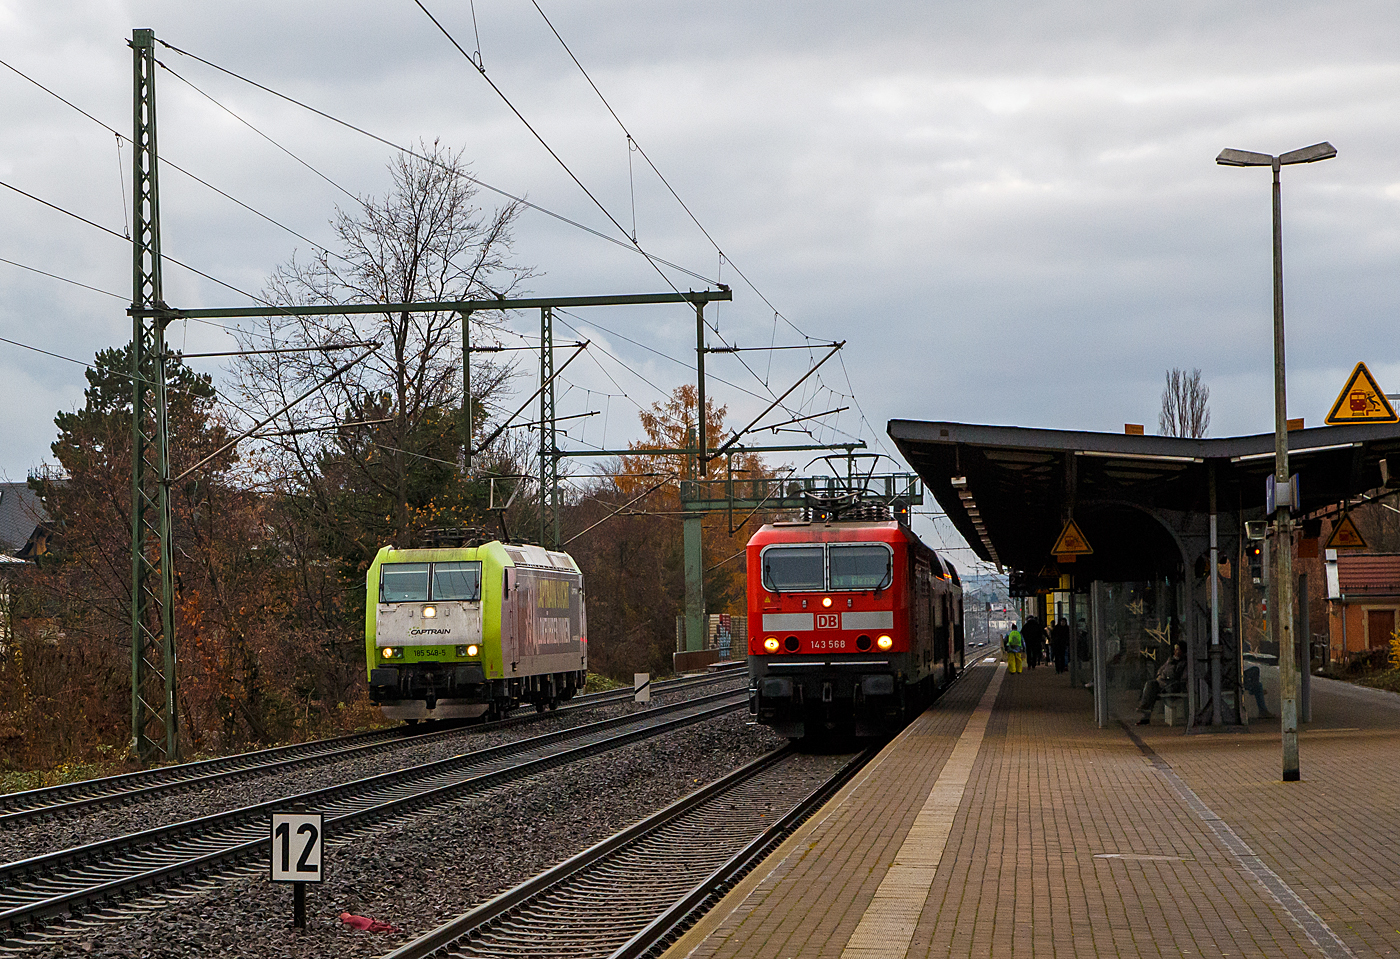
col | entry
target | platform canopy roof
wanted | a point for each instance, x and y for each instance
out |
(1008, 489)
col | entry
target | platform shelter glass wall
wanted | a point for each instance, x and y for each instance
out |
(1135, 624)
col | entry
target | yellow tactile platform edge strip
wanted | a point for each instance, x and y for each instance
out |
(888, 925)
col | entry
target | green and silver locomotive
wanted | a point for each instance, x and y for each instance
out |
(475, 631)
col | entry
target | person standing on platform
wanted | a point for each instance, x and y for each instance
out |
(1059, 645)
(1015, 646)
(1255, 687)
(1034, 634)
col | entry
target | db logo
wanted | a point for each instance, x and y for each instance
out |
(828, 621)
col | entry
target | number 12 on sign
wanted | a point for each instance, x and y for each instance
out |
(296, 847)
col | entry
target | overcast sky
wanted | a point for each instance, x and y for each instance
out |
(1011, 212)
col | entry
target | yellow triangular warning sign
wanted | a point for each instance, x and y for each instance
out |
(1345, 535)
(1361, 401)
(1071, 542)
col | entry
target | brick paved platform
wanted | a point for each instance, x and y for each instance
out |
(1019, 828)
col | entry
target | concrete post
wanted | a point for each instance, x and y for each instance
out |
(694, 584)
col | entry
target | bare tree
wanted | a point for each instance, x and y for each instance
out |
(426, 240)
(1185, 405)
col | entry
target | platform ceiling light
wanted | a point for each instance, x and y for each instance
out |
(974, 514)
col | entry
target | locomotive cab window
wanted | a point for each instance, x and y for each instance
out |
(458, 581)
(403, 583)
(430, 582)
(860, 567)
(793, 569)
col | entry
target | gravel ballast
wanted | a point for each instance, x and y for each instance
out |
(423, 873)
(41, 836)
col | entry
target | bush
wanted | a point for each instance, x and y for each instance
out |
(1367, 661)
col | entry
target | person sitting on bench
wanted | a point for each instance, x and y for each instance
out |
(1171, 677)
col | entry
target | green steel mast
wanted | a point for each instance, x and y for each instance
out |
(153, 720)
(549, 451)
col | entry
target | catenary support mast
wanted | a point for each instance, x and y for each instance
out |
(549, 453)
(153, 719)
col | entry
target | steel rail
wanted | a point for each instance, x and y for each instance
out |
(650, 935)
(49, 801)
(631, 921)
(671, 924)
(85, 879)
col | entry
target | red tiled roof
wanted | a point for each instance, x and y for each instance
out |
(1376, 574)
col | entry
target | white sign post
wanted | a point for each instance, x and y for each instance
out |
(297, 841)
(641, 687)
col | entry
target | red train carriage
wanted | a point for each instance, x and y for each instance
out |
(854, 627)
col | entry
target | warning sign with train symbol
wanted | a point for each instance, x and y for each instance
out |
(1071, 543)
(1361, 401)
(1345, 535)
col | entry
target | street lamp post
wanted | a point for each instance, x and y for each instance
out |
(1281, 612)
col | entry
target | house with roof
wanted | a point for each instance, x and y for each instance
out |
(1363, 601)
(24, 525)
(24, 534)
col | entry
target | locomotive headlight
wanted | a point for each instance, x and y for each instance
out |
(771, 644)
(884, 642)
(387, 652)
(473, 649)
(429, 612)
(826, 601)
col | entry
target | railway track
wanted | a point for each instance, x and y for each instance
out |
(21, 807)
(109, 879)
(634, 893)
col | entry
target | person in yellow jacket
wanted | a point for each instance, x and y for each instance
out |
(1015, 646)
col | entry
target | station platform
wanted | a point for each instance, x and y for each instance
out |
(1004, 822)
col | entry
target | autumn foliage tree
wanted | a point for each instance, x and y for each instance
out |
(67, 681)
(632, 558)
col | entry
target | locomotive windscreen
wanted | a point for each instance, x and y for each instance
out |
(794, 569)
(430, 582)
(459, 581)
(860, 567)
(403, 583)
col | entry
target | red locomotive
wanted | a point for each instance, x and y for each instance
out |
(854, 625)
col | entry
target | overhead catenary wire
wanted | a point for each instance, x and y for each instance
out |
(573, 176)
(666, 183)
(651, 258)
(304, 238)
(61, 279)
(165, 161)
(420, 156)
(207, 276)
(481, 70)
(120, 137)
(664, 356)
(57, 356)
(260, 133)
(120, 374)
(111, 232)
